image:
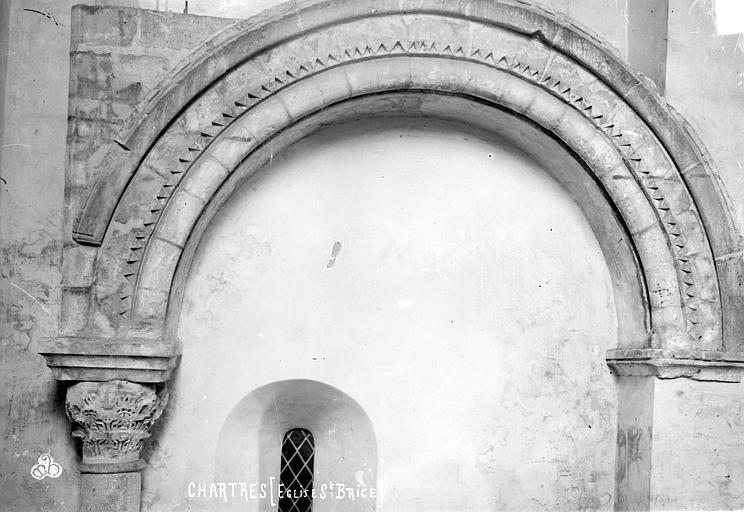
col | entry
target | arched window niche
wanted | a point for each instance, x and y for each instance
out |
(250, 443)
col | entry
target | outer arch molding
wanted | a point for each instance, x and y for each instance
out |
(263, 76)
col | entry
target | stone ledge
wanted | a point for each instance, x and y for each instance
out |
(95, 359)
(672, 364)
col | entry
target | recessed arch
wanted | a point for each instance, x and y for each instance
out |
(265, 83)
(643, 179)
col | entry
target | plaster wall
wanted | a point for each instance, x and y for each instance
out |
(454, 313)
(32, 177)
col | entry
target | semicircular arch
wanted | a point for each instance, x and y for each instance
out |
(267, 82)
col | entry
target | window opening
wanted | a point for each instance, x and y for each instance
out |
(296, 474)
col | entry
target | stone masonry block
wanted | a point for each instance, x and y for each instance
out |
(158, 267)
(205, 178)
(94, 25)
(91, 74)
(146, 69)
(177, 32)
(79, 265)
(74, 311)
(178, 220)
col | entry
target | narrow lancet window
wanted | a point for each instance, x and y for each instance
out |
(296, 475)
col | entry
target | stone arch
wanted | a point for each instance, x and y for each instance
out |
(266, 82)
(646, 183)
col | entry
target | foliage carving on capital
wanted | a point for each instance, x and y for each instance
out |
(113, 418)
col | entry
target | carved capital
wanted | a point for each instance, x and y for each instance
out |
(113, 419)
